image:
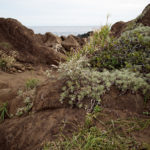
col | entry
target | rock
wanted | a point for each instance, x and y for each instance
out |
(81, 41)
(144, 18)
(117, 28)
(18, 66)
(20, 71)
(13, 70)
(86, 35)
(28, 44)
(50, 39)
(70, 43)
(63, 38)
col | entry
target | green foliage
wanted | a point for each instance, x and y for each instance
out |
(31, 83)
(131, 50)
(114, 135)
(99, 40)
(4, 111)
(97, 109)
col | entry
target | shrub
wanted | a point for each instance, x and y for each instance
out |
(98, 41)
(84, 86)
(6, 62)
(131, 50)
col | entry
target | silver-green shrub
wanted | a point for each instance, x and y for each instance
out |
(84, 86)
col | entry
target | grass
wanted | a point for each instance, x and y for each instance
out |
(114, 135)
(4, 111)
(31, 83)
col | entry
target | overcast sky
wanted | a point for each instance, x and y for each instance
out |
(70, 12)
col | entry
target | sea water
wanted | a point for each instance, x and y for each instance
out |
(63, 30)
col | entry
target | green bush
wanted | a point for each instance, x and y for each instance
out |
(131, 50)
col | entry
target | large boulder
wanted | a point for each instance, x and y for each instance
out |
(25, 42)
(70, 43)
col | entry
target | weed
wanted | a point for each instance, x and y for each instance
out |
(4, 111)
(31, 83)
(146, 113)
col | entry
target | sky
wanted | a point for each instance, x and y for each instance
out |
(71, 12)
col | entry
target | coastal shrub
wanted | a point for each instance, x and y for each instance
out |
(131, 50)
(84, 86)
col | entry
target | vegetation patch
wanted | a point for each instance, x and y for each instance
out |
(84, 85)
(28, 95)
(114, 135)
(31, 83)
(7, 61)
(4, 111)
(131, 50)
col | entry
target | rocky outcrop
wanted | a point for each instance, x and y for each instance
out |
(144, 18)
(36, 48)
(27, 44)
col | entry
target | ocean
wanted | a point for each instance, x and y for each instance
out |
(63, 30)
